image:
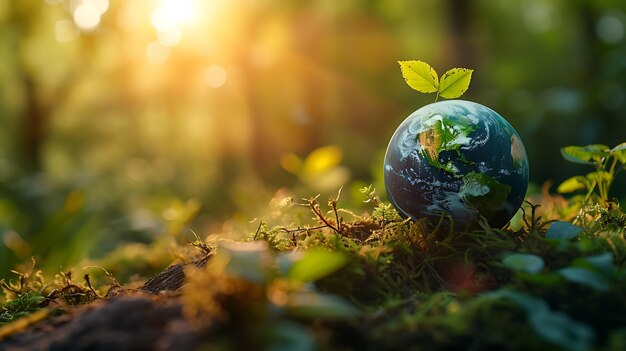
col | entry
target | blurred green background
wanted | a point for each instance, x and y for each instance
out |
(130, 121)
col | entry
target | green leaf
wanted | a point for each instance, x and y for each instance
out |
(600, 177)
(619, 152)
(316, 264)
(563, 230)
(602, 263)
(560, 329)
(419, 76)
(587, 155)
(290, 336)
(553, 326)
(286, 261)
(322, 159)
(544, 279)
(528, 263)
(525, 301)
(455, 82)
(317, 305)
(585, 277)
(572, 184)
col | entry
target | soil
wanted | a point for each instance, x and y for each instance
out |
(146, 319)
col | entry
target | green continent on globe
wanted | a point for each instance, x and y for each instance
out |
(484, 193)
(445, 135)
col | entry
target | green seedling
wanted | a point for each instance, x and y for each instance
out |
(422, 77)
(607, 162)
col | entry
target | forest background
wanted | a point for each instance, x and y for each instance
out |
(124, 123)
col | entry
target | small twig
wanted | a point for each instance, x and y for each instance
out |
(200, 245)
(109, 275)
(305, 229)
(88, 281)
(332, 202)
(315, 207)
(258, 229)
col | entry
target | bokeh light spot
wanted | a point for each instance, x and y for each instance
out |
(214, 76)
(173, 13)
(610, 28)
(539, 16)
(101, 5)
(87, 17)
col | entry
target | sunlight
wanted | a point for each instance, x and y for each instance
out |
(168, 17)
(87, 13)
(172, 13)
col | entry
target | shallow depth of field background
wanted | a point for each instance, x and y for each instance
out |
(126, 121)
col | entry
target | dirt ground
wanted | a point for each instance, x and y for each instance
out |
(133, 320)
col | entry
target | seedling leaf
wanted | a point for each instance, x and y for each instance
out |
(455, 82)
(528, 263)
(316, 264)
(419, 76)
(563, 230)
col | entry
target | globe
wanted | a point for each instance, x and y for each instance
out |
(454, 162)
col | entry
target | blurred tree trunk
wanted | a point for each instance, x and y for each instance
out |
(34, 116)
(34, 126)
(38, 105)
(588, 40)
(460, 50)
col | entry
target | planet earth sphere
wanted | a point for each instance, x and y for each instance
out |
(456, 161)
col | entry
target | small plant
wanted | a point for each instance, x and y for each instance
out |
(422, 77)
(21, 306)
(596, 185)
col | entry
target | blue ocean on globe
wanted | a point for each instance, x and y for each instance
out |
(456, 161)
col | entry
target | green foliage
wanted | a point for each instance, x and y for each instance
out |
(563, 230)
(608, 163)
(422, 77)
(454, 83)
(316, 264)
(22, 305)
(260, 295)
(528, 263)
(585, 276)
(553, 326)
(400, 283)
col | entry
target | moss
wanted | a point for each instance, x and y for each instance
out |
(413, 286)
(22, 305)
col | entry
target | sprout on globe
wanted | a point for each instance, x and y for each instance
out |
(456, 160)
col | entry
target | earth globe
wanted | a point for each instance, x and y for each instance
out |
(456, 161)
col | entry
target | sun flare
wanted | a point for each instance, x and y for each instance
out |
(173, 13)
